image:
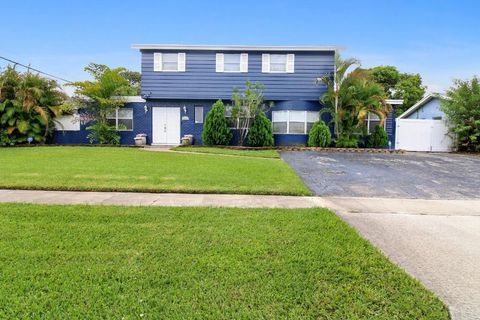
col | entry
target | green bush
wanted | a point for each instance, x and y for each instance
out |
(215, 128)
(261, 132)
(319, 135)
(346, 142)
(103, 134)
(378, 139)
(462, 109)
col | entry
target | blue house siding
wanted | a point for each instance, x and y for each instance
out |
(201, 81)
(429, 110)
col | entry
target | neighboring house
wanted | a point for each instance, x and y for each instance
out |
(423, 127)
(181, 82)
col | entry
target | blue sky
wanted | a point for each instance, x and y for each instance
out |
(438, 39)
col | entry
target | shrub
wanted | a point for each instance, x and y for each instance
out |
(319, 135)
(215, 128)
(103, 134)
(461, 107)
(346, 142)
(378, 139)
(261, 132)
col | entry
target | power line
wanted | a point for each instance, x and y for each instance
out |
(36, 70)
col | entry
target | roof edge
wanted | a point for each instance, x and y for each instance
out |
(234, 47)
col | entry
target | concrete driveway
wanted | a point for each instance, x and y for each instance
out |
(411, 175)
(382, 196)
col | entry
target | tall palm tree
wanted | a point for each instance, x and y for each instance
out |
(350, 96)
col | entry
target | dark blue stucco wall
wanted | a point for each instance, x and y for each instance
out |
(142, 121)
(141, 124)
(390, 127)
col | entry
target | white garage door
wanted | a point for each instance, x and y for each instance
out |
(422, 135)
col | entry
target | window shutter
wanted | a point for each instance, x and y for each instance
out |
(265, 62)
(157, 61)
(290, 63)
(181, 61)
(219, 62)
(244, 62)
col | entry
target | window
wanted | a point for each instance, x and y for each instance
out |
(293, 121)
(233, 123)
(231, 62)
(278, 63)
(169, 62)
(280, 121)
(372, 121)
(198, 114)
(121, 119)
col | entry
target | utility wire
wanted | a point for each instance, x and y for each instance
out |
(36, 70)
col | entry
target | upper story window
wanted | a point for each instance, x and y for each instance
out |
(371, 121)
(231, 62)
(278, 63)
(169, 62)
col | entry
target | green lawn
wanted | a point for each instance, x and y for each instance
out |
(267, 153)
(131, 169)
(90, 262)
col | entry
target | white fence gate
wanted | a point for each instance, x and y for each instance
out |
(422, 135)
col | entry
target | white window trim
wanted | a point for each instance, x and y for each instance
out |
(288, 121)
(220, 63)
(367, 123)
(289, 63)
(116, 119)
(158, 62)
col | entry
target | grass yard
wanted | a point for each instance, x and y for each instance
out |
(131, 169)
(267, 153)
(90, 262)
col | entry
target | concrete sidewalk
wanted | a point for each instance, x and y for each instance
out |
(339, 204)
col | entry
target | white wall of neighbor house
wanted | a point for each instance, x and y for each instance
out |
(423, 135)
(68, 123)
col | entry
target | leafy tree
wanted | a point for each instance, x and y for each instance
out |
(261, 131)
(215, 128)
(378, 138)
(399, 85)
(133, 77)
(100, 97)
(462, 108)
(29, 104)
(350, 96)
(410, 89)
(247, 104)
(319, 135)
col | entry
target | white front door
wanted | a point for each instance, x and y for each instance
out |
(165, 125)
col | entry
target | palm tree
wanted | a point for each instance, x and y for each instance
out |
(350, 96)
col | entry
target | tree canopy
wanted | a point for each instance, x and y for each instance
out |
(29, 104)
(397, 85)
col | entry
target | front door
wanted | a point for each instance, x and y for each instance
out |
(166, 125)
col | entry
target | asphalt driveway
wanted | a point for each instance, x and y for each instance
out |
(410, 175)
(383, 197)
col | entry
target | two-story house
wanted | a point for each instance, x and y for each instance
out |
(181, 82)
